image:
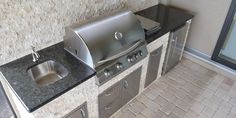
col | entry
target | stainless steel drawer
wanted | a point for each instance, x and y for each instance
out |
(107, 110)
(110, 94)
(80, 112)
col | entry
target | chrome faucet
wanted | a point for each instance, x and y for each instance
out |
(35, 55)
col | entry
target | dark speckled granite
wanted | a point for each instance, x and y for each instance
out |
(169, 17)
(34, 96)
(6, 110)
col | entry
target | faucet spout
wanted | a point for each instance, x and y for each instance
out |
(35, 54)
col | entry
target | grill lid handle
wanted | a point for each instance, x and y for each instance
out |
(134, 46)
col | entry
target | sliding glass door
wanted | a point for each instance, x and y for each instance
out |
(225, 50)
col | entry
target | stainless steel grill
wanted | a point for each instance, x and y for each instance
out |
(109, 43)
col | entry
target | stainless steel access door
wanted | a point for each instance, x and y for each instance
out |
(131, 85)
(175, 47)
(153, 65)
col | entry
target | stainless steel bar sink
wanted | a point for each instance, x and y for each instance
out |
(47, 72)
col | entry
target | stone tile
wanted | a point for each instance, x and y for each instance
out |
(233, 110)
(152, 94)
(212, 102)
(179, 112)
(190, 100)
(197, 107)
(140, 116)
(182, 105)
(172, 115)
(191, 114)
(187, 91)
(204, 116)
(232, 115)
(149, 103)
(168, 96)
(148, 113)
(137, 106)
(207, 112)
(127, 114)
(207, 93)
(225, 106)
(220, 114)
(161, 101)
(228, 82)
(168, 108)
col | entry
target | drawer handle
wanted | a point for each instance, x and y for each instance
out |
(156, 53)
(108, 107)
(82, 113)
(126, 84)
(109, 92)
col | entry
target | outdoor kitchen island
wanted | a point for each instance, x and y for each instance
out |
(84, 100)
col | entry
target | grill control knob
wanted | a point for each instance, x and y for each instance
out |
(140, 53)
(130, 59)
(119, 66)
(137, 55)
(107, 72)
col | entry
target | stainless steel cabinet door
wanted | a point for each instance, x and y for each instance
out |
(110, 94)
(80, 112)
(153, 65)
(175, 47)
(107, 110)
(131, 85)
(110, 100)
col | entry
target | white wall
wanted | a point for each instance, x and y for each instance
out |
(41, 22)
(207, 23)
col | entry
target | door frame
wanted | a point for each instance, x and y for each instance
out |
(223, 35)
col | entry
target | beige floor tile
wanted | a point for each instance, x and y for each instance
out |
(191, 114)
(127, 114)
(187, 91)
(182, 105)
(225, 106)
(137, 106)
(172, 115)
(168, 108)
(161, 101)
(207, 112)
(232, 115)
(149, 103)
(197, 107)
(179, 112)
(220, 114)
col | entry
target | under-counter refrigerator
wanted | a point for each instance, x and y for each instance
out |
(175, 47)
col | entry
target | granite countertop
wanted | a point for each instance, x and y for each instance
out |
(6, 110)
(34, 96)
(169, 17)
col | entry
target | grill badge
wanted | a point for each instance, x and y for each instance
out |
(118, 35)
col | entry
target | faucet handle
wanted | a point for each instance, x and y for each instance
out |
(35, 55)
(33, 48)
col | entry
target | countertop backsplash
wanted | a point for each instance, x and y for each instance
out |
(41, 23)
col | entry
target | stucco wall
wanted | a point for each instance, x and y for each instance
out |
(41, 22)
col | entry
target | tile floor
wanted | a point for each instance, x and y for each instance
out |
(187, 91)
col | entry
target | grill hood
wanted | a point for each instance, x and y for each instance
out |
(104, 38)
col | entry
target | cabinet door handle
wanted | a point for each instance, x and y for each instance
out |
(108, 107)
(108, 93)
(172, 40)
(82, 113)
(156, 53)
(126, 84)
